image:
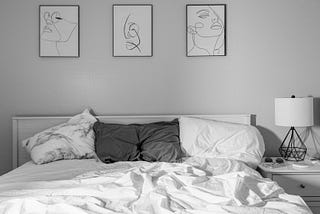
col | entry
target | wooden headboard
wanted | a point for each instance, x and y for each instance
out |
(24, 127)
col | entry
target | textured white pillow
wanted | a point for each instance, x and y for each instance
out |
(209, 138)
(71, 140)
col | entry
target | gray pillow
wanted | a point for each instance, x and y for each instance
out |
(116, 142)
(160, 141)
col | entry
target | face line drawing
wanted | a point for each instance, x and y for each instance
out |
(212, 21)
(202, 10)
(196, 46)
(51, 40)
(51, 28)
(208, 25)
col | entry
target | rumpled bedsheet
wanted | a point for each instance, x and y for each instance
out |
(198, 185)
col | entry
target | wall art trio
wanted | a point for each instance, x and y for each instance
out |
(59, 27)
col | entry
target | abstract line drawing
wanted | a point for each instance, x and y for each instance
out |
(132, 30)
(131, 34)
(206, 31)
(59, 31)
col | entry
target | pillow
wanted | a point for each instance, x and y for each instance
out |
(160, 141)
(71, 140)
(209, 138)
(116, 142)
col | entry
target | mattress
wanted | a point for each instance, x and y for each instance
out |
(198, 185)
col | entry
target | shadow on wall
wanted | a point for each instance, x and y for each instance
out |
(316, 111)
(272, 141)
(313, 136)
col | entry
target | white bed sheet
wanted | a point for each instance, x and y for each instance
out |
(59, 170)
(68, 169)
(199, 185)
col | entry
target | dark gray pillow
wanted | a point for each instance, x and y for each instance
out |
(116, 142)
(160, 141)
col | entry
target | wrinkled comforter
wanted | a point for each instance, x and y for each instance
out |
(198, 185)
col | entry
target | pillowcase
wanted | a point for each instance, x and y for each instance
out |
(116, 142)
(160, 141)
(209, 138)
(71, 140)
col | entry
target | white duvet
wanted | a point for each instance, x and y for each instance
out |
(195, 186)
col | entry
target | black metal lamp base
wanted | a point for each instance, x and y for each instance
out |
(295, 151)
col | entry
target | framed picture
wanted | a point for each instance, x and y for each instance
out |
(206, 30)
(132, 30)
(59, 31)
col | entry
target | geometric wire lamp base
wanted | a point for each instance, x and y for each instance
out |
(295, 150)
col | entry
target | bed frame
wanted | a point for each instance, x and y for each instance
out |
(24, 127)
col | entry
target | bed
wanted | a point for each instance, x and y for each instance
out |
(193, 185)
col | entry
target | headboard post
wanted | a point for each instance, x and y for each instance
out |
(15, 143)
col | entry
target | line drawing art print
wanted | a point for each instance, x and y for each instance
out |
(59, 31)
(132, 30)
(206, 30)
(132, 35)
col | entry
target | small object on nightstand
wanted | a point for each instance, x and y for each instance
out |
(268, 160)
(300, 165)
(273, 162)
(279, 160)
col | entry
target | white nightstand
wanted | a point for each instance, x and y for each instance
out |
(297, 180)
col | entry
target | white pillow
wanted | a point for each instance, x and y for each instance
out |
(71, 140)
(209, 138)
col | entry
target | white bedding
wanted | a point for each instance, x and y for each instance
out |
(57, 170)
(209, 138)
(198, 185)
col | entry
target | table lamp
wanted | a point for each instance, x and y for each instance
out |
(293, 112)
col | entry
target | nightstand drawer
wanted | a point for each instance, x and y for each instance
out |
(303, 185)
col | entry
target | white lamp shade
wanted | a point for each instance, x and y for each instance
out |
(294, 112)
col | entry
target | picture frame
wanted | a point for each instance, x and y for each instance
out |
(132, 26)
(59, 31)
(206, 30)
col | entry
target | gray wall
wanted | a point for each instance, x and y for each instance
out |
(273, 50)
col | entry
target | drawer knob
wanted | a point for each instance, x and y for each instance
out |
(302, 186)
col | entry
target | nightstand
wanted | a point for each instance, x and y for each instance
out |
(303, 181)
